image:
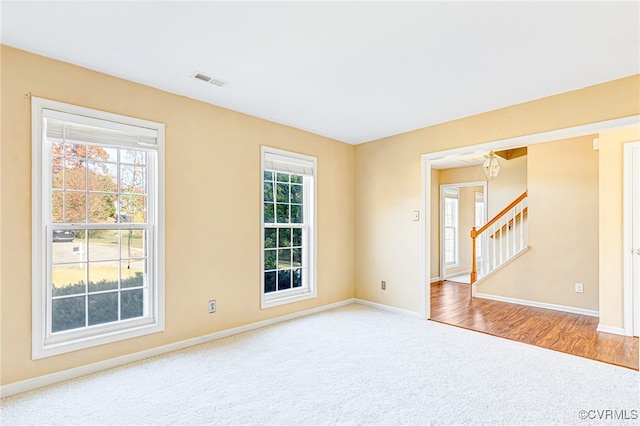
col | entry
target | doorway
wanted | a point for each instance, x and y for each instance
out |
(438, 158)
(459, 204)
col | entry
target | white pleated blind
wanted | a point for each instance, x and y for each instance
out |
(80, 129)
(281, 163)
(451, 194)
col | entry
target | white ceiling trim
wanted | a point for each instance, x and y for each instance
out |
(445, 159)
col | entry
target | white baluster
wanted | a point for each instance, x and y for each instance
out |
(510, 235)
(521, 245)
(501, 242)
(513, 231)
(493, 245)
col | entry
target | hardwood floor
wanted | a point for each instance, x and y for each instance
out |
(561, 331)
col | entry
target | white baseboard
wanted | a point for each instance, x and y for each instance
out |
(435, 280)
(562, 308)
(611, 329)
(387, 308)
(72, 373)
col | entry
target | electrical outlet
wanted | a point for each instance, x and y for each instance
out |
(579, 288)
(383, 285)
(212, 306)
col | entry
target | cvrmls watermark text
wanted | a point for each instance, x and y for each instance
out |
(608, 414)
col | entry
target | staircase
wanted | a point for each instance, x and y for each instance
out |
(500, 240)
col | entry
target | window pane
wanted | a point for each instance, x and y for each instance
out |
(131, 304)
(130, 156)
(268, 213)
(296, 179)
(448, 257)
(132, 273)
(133, 180)
(103, 244)
(284, 237)
(269, 260)
(56, 206)
(283, 177)
(268, 176)
(296, 194)
(268, 191)
(297, 277)
(297, 257)
(75, 205)
(103, 308)
(68, 279)
(102, 176)
(70, 246)
(57, 148)
(133, 208)
(269, 282)
(282, 193)
(282, 213)
(108, 154)
(296, 214)
(102, 208)
(75, 150)
(75, 176)
(297, 237)
(132, 244)
(284, 279)
(68, 313)
(62, 236)
(270, 235)
(103, 275)
(449, 234)
(57, 174)
(284, 258)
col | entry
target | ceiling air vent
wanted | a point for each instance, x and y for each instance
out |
(212, 80)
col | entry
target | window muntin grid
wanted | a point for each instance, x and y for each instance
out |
(451, 225)
(100, 276)
(285, 231)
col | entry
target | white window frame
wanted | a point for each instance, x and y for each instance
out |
(45, 343)
(305, 165)
(455, 227)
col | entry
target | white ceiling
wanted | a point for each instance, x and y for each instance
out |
(352, 71)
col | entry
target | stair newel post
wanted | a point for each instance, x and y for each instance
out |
(474, 274)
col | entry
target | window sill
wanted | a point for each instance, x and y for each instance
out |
(277, 300)
(58, 346)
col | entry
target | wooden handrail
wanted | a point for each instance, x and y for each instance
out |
(475, 232)
(498, 216)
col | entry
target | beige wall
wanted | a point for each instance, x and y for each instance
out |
(212, 209)
(510, 183)
(563, 229)
(388, 179)
(611, 225)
